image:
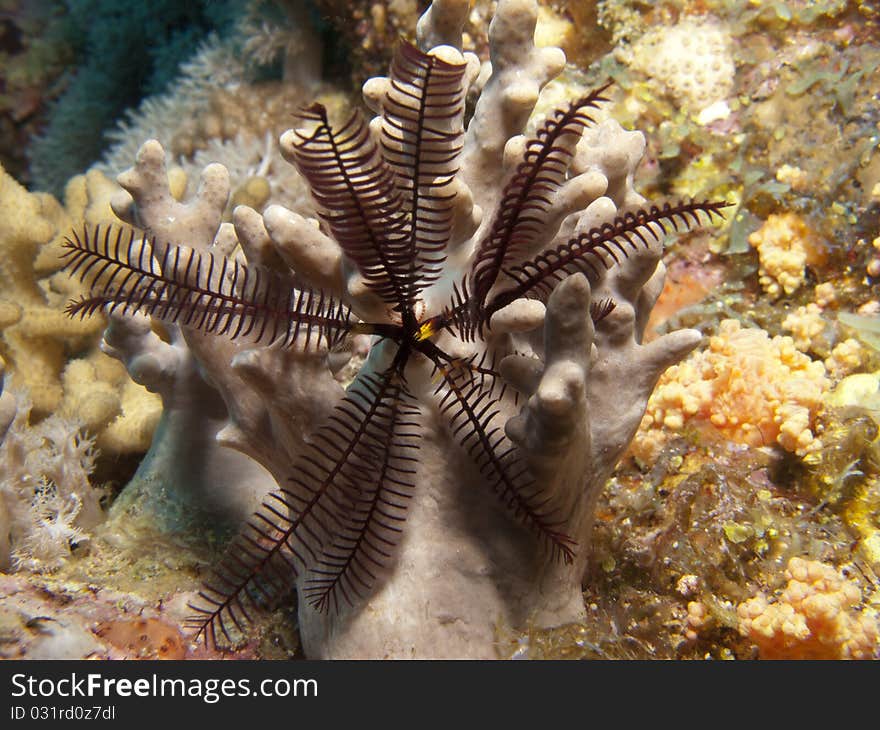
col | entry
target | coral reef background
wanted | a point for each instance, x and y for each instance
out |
(745, 521)
(119, 54)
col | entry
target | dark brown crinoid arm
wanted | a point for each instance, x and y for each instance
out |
(598, 249)
(380, 484)
(196, 289)
(522, 213)
(318, 518)
(360, 202)
(472, 407)
(423, 115)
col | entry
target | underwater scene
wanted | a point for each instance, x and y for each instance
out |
(528, 329)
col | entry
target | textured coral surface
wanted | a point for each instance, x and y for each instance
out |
(813, 617)
(753, 389)
(56, 359)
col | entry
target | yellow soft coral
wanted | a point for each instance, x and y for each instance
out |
(94, 401)
(34, 343)
(132, 430)
(37, 337)
(753, 389)
(785, 245)
(815, 617)
(86, 200)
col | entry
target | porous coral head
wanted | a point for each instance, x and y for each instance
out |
(692, 59)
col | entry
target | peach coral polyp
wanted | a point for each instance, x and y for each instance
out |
(813, 617)
(753, 389)
(785, 246)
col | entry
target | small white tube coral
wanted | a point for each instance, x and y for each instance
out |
(692, 58)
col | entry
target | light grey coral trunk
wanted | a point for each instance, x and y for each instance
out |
(463, 570)
(464, 567)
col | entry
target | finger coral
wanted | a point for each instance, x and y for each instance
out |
(35, 334)
(813, 618)
(505, 282)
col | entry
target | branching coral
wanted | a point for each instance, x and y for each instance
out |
(38, 341)
(35, 333)
(453, 269)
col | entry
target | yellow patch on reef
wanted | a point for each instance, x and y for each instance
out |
(862, 513)
(861, 389)
(552, 29)
(37, 337)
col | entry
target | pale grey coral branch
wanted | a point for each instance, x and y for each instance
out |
(221, 393)
(519, 71)
(441, 24)
(310, 253)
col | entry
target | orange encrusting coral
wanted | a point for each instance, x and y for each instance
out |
(785, 245)
(815, 617)
(687, 282)
(752, 389)
(143, 638)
